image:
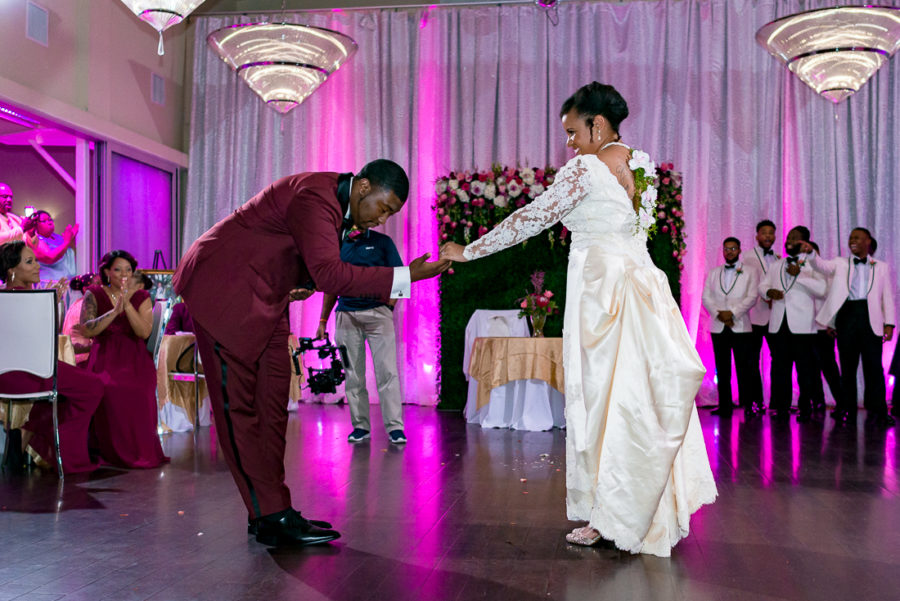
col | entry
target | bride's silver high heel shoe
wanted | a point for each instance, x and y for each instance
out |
(582, 537)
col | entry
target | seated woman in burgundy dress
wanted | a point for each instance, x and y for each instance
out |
(117, 315)
(79, 391)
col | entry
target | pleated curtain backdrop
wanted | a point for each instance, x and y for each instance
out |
(445, 88)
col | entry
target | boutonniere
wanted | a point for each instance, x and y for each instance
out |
(871, 261)
(739, 269)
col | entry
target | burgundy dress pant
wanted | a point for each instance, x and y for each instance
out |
(249, 404)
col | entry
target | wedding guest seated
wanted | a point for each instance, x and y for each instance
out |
(117, 315)
(180, 320)
(79, 391)
(55, 252)
(81, 344)
(142, 280)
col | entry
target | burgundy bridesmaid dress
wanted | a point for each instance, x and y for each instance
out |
(124, 429)
(80, 392)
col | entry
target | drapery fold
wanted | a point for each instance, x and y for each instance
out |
(459, 87)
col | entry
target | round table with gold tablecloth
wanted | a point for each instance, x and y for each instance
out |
(521, 383)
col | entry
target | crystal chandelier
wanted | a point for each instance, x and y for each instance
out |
(162, 14)
(834, 50)
(282, 62)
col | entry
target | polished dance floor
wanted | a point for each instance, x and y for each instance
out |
(804, 512)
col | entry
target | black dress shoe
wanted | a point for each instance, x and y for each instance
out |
(15, 458)
(884, 420)
(289, 529)
(252, 528)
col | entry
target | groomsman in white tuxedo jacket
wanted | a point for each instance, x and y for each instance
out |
(761, 259)
(792, 285)
(860, 307)
(729, 292)
(825, 363)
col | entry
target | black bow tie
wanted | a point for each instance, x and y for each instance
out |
(730, 266)
(858, 261)
(791, 259)
(768, 251)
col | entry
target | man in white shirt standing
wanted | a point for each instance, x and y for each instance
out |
(10, 223)
(792, 286)
(861, 309)
(825, 363)
(761, 260)
(729, 292)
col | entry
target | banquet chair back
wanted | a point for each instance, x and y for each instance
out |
(188, 369)
(153, 341)
(29, 331)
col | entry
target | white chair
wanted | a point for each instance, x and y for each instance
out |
(521, 404)
(28, 329)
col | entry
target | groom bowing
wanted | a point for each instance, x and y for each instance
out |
(237, 280)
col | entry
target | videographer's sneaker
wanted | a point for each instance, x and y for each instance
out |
(358, 435)
(397, 436)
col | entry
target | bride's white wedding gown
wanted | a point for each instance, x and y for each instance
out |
(636, 464)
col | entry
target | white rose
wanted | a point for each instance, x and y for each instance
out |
(501, 180)
(501, 202)
(462, 195)
(514, 189)
(527, 176)
(490, 191)
(537, 190)
(477, 188)
(441, 186)
(453, 184)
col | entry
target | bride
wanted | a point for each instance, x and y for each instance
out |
(636, 465)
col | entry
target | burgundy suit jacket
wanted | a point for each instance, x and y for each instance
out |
(235, 278)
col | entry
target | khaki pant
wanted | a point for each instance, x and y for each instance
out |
(353, 329)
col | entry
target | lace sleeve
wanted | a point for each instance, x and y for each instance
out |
(570, 186)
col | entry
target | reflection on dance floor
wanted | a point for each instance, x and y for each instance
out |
(805, 511)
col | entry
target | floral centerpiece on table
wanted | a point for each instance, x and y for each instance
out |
(537, 305)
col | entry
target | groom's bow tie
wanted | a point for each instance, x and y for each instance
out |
(768, 251)
(857, 261)
(729, 266)
(791, 259)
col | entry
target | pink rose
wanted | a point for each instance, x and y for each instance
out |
(666, 180)
(548, 294)
(524, 304)
(482, 230)
(444, 236)
(464, 186)
(453, 224)
(675, 253)
(450, 271)
(446, 218)
(678, 197)
(665, 228)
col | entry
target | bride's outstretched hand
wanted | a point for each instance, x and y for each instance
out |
(453, 252)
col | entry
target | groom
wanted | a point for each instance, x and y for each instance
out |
(237, 280)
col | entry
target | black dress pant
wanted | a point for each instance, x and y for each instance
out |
(791, 349)
(756, 339)
(726, 343)
(855, 340)
(825, 364)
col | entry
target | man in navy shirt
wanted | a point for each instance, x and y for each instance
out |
(359, 320)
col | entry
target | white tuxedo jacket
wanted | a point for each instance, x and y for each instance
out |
(759, 313)
(798, 304)
(738, 299)
(879, 299)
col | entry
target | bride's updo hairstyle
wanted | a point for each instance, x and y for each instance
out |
(597, 99)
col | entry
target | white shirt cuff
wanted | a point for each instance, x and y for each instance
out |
(400, 288)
